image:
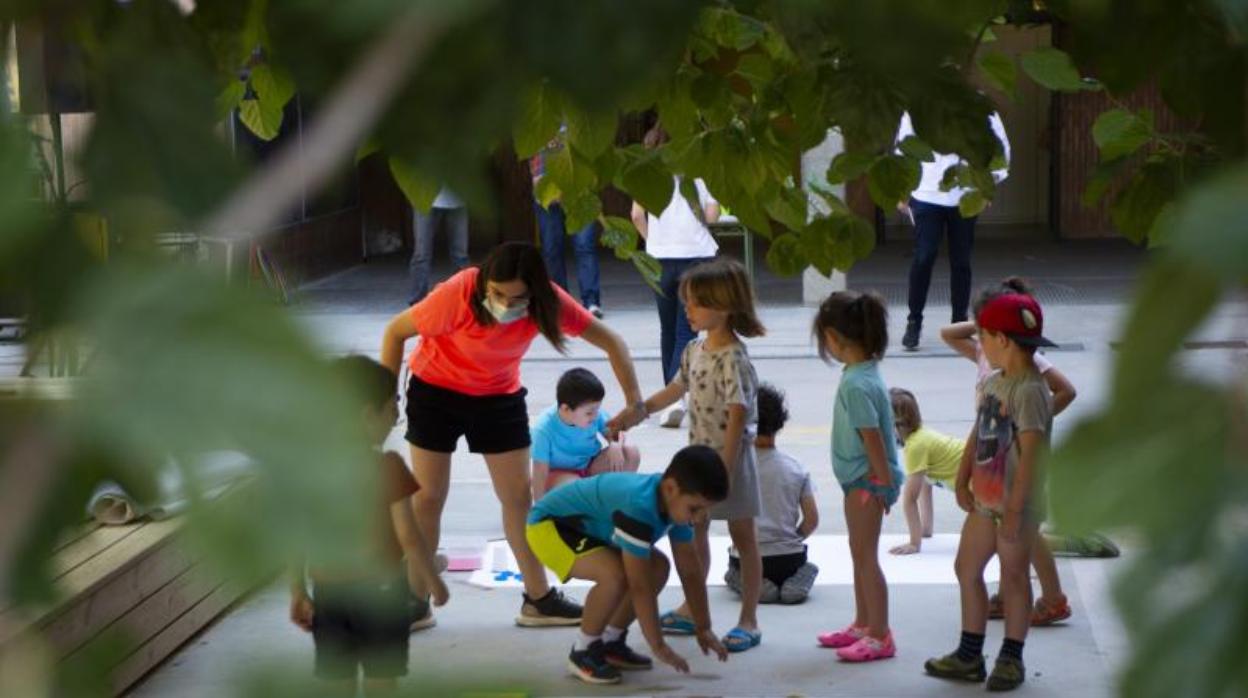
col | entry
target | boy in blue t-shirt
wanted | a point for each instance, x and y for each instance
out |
(566, 444)
(604, 529)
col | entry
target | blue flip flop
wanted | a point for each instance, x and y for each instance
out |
(739, 639)
(675, 624)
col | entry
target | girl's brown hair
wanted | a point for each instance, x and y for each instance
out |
(521, 261)
(722, 284)
(905, 409)
(860, 318)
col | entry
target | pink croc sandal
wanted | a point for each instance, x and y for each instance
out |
(842, 638)
(868, 649)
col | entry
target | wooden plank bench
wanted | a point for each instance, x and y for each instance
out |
(137, 590)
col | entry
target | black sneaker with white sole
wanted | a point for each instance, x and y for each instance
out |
(619, 655)
(910, 340)
(590, 665)
(553, 609)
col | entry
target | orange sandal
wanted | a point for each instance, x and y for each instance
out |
(1048, 613)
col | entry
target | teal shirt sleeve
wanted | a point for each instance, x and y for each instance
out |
(680, 533)
(541, 449)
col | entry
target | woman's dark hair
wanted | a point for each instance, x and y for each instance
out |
(772, 412)
(722, 284)
(578, 386)
(860, 318)
(1010, 284)
(521, 261)
(698, 470)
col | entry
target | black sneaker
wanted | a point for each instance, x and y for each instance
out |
(590, 665)
(1007, 675)
(910, 340)
(951, 666)
(553, 609)
(420, 615)
(619, 655)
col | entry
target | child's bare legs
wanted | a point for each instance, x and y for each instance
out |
(745, 539)
(625, 614)
(864, 520)
(1046, 570)
(558, 477)
(976, 547)
(606, 570)
(626, 455)
(701, 543)
(1016, 581)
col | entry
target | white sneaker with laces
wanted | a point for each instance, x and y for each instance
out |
(673, 417)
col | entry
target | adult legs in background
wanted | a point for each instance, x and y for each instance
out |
(585, 244)
(961, 244)
(421, 263)
(457, 236)
(552, 231)
(929, 228)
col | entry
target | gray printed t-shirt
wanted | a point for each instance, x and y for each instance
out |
(782, 482)
(1010, 406)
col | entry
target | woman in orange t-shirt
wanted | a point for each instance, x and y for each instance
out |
(474, 329)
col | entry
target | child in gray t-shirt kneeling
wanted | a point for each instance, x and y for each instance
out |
(789, 513)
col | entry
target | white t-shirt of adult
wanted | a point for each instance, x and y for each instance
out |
(928, 190)
(677, 233)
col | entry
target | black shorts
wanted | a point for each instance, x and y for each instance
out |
(777, 568)
(437, 417)
(361, 624)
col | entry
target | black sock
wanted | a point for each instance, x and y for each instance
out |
(1012, 648)
(971, 647)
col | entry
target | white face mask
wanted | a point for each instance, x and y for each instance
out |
(505, 315)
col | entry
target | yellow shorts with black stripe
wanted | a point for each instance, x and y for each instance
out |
(559, 546)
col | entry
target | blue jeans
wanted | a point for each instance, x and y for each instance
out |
(553, 229)
(675, 331)
(931, 222)
(455, 220)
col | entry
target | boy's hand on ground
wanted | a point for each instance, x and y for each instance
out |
(904, 549)
(438, 593)
(301, 612)
(664, 653)
(708, 643)
(966, 500)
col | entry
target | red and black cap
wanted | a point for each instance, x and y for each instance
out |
(1017, 316)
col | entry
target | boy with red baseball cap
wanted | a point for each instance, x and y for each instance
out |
(999, 487)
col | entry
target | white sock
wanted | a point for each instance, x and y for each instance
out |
(583, 641)
(612, 633)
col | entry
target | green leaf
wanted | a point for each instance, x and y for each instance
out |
(677, 112)
(1103, 177)
(1137, 206)
(785, 255)
(620, 235)
(649, 268)
(891, 180)
(574, 175)
(972, 204)
(1209, 228)
(850, 165)
(581, 210)
(261, 118)
(1053, 68)
(914, 147)
(1119, 133)
(419, 189)
(272, 84)
(591, 133)
(789, 206)
(1000, 72)
(836, 242)
(367, 148)
(546, 192)
(540, 117)
(229, 98)
(645, 178)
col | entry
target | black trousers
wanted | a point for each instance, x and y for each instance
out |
(931, 224)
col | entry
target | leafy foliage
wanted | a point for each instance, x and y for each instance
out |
(184, 364)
